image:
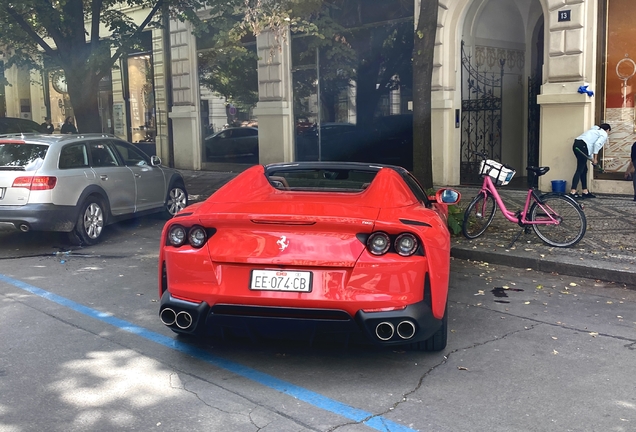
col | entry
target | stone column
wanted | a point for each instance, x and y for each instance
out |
(185, 112)
(444, 101)
(275, 106)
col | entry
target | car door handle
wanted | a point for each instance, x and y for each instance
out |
(103, 177)
(137, 175)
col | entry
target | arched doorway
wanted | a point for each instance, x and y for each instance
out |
(499, 55)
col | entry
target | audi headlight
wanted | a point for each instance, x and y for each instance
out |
(197, 237)
(378, 243)
(406, 244)
(177, 235)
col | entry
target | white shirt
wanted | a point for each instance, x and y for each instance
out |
(594, 138)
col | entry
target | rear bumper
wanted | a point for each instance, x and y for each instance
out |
(304, 323)
(39, 217)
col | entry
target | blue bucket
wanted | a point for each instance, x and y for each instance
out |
(558, 186)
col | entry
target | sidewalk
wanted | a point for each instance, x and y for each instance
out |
(607, 252)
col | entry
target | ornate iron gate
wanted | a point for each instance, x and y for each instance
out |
(482, 94)
(534, 121)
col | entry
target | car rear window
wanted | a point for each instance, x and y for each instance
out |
(322, 180)
(20, 156)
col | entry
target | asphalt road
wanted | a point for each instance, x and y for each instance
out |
(82, 349)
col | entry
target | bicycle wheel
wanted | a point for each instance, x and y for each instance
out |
(479, 215)
(572, 222)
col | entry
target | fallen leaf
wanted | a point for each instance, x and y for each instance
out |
(539, 286)
(555, 352)
(480, 292)
(554, 337)
(572, 284)
(610, 302)
(526, 302)
(593, 334)
(462, 368)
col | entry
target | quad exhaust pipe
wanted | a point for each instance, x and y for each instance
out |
(406, 329)
(385, 330)
(168, 316)
(182, 319)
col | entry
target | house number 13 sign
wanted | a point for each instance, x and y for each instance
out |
(564, 15)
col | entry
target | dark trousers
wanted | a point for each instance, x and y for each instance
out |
(581, 164)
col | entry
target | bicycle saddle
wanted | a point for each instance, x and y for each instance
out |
(539, 171)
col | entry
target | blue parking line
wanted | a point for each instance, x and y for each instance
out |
(376, 422)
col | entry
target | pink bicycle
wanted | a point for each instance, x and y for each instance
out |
(557, 219)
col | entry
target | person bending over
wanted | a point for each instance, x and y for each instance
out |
(589, 143)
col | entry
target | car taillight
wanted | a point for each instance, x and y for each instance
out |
(35, 182)
(406, 244)
(197, 237)
(179, 235)
(378, 243)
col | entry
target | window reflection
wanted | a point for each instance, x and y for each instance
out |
(142, 98)
(620, 83)
(59, 99)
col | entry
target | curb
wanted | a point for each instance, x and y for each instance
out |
(599, 271)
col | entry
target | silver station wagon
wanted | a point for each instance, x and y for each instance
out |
(80, 183)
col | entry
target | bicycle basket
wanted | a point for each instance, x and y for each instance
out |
(500, 175)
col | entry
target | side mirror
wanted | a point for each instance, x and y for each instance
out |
(447, 196)
(155, 160)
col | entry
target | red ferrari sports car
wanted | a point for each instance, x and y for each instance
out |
(311, 248)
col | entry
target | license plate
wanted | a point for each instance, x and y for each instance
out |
(281, 280)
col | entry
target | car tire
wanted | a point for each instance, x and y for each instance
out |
(90, 223)
(176, 200)
(437, 342)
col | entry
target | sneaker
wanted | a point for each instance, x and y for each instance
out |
(588, 195)
(574, 195)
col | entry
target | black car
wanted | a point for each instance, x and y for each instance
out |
(12, 125)
(232, 143)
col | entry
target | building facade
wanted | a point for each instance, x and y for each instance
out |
(519, 79)
(537, 55)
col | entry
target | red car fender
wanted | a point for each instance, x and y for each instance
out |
(431, 228)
